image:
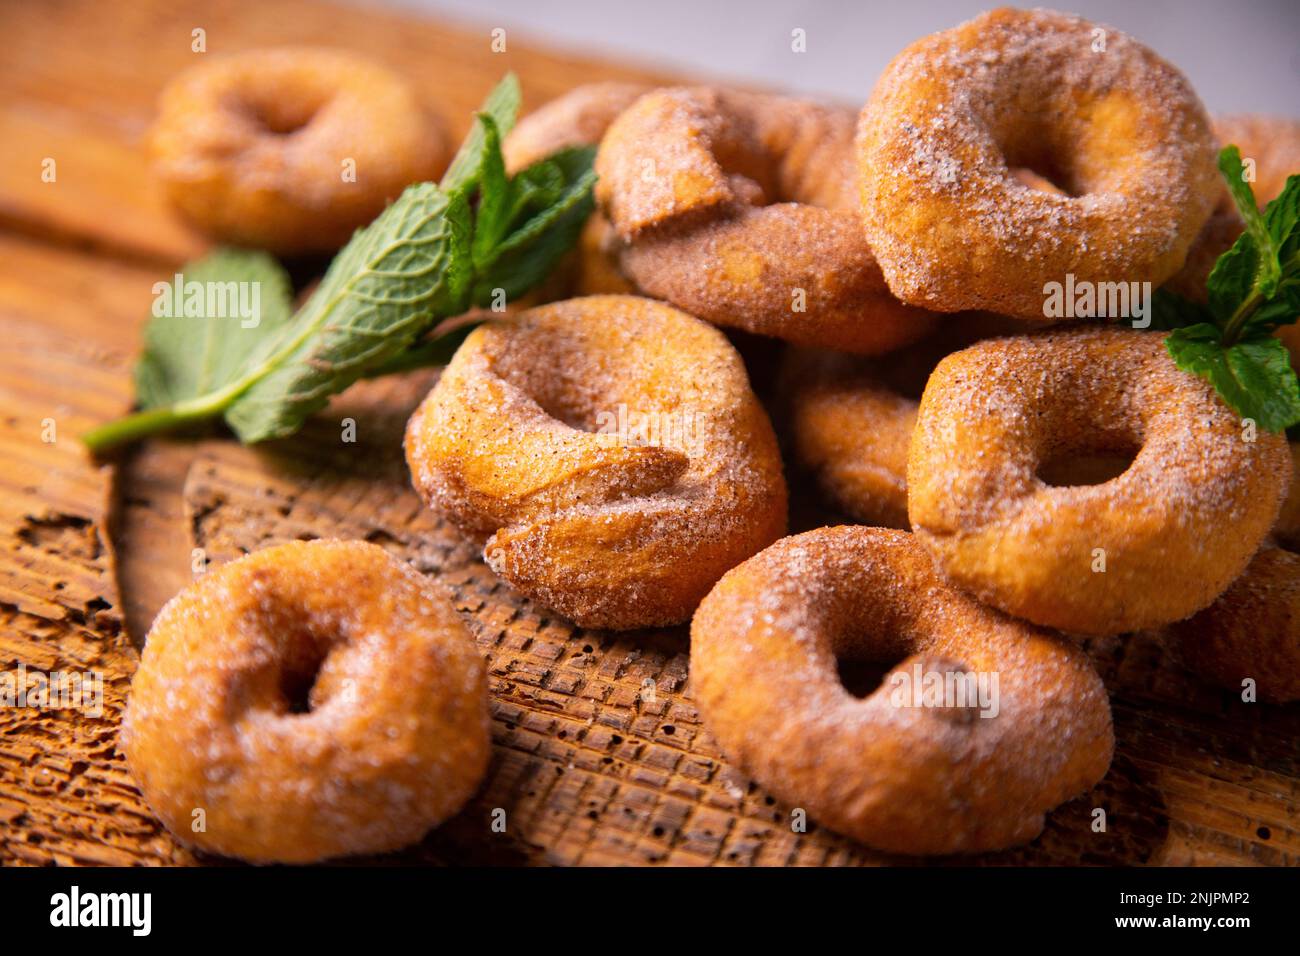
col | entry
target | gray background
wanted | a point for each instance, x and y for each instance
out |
(1241, 55)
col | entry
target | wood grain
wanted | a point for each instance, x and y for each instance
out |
(599, 754)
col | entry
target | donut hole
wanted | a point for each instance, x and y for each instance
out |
(280, 115)
(300, 671)
(862, 678)
(1095, 464)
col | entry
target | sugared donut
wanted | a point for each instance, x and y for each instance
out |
(611, 453)
(291, 149)
(1273, 143)
(1251, 631)
(1099, 113)
(1171, 532)
(885, 769)
(740, 209)
(850, 418)
(307, 701)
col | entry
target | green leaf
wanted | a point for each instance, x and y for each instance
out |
(208, 322)
(533, 247)
(1267, 270)
(1254, 376)
(492, 215)
(1282, 217)
(1232, 280)
(382, 292)
(502, 104)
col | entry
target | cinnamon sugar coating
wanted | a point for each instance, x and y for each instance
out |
(609, 451)
(252, 146)
(963, 777)
(850, 418)
(1119, 128)
(740, 208)
(1171, 532)
(390, 740)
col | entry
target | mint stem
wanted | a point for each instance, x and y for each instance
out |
(142, 424)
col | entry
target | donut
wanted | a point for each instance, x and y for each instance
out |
(1153, 545)
(308, 701)
(973, 775)
(1252, 630)
(740, 208)
(610, 453)
(1119, 129)
(850, 418)
(578, 118)
(1274, 144)
(256, 148)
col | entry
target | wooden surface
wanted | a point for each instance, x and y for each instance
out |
(589, 766)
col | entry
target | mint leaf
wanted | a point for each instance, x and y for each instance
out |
(1253, 376)
(383, 291)
(1257, 235)
(1233, 279)
(491, 217)
(204, 332)
(1281, 218)
(502, 105)
(553, 202)
(425, 258)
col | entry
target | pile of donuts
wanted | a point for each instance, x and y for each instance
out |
(1015, 482)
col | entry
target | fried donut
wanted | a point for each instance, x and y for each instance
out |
(254, 148)
(740, 209)
(1251, 631)
(850, 418)
(611, 453)
(1121, 130)
(1197, 499)
(313, 700)
(884, 769)
(579, 118)
(1274, 144)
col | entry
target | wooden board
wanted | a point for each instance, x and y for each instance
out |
(599, 755)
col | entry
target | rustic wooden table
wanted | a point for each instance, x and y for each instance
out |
(588, 767)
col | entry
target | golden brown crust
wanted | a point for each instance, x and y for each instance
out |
(851, 417)
(611, 452)
(907, 779)
(252, 146)
(1121, 129)
(394, 742)
(1252, 630)
(1199, 496)
(740, 209)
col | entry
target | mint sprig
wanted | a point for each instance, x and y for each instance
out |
(435, 252)
(1253, 288)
